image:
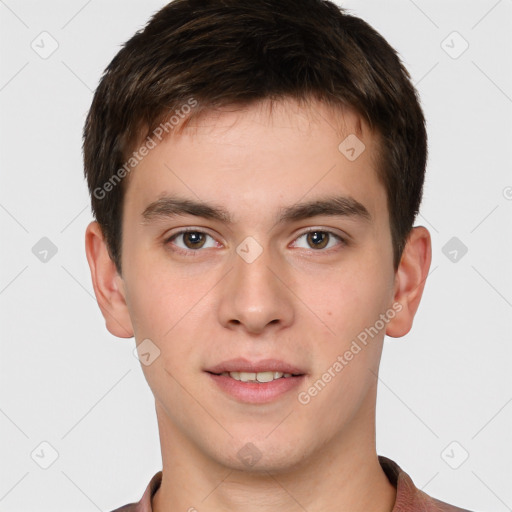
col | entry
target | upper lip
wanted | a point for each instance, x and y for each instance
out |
(244, 365)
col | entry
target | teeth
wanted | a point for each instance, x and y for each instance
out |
(256, 377)
(266, 376)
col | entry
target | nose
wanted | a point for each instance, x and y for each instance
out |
(255, 296)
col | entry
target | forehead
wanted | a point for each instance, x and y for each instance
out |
(284, 115)
(245, 156)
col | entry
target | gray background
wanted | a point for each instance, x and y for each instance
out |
(445, 388)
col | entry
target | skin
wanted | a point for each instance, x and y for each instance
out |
(295, 302)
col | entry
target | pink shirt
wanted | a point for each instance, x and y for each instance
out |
(408, 497)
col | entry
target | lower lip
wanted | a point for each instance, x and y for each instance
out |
(256, 392)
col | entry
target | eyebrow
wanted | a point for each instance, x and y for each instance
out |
(339, 206)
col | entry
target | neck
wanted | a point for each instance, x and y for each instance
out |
(343, 476)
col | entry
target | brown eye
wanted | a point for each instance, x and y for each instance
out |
(193, 239)
(317, 239)
(190, 241)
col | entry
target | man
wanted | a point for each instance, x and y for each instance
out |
(255, 169)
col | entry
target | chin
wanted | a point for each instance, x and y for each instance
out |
(261, 454)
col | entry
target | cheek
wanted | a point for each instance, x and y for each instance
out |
(166, 307)
(349, 300)
(158, 296)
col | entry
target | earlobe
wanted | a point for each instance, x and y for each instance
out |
(410, 280)
(107, 283)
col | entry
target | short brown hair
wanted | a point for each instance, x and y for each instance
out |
(237, 52)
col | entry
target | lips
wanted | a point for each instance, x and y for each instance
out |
(243, 365)
(256, 382)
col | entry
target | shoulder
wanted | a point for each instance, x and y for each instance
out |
(408, 497)
(144, 505)
(132, 507)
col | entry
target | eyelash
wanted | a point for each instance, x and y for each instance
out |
(192, 252)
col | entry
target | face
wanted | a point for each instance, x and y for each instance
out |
(259, 283)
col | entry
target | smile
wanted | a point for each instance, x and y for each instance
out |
(267, 376)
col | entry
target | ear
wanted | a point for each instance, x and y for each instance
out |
(410, 280)
(107, 283)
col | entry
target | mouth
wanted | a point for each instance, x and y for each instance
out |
(256, 382)
(264, 376)
(256, 371)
